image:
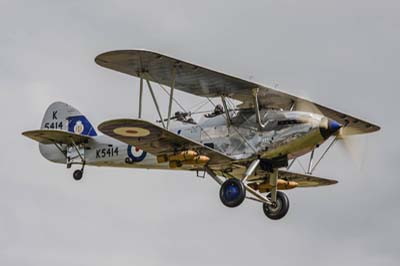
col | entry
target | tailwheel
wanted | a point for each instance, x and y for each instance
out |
(232, 192)
(279, 208)
(78, 174)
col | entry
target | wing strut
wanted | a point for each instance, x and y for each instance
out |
(155, 102)
(257, 108)
(171, 95)
(147, 77)
(310, 162)
(228, 116)
(140, 97)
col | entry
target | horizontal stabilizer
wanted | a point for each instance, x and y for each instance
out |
(55, 136)
(304, 180)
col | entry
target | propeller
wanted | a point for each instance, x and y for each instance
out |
(344, 135)
(306, 106)
(351, 145)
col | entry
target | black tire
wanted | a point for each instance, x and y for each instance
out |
(232, 192)
(281, 209)
(78, 175)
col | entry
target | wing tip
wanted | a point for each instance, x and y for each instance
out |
(27, 133)
(118, 120)
(101, 60)
(376, 128)
(333, 182)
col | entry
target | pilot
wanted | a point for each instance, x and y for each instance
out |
(217, 111)
(180, 116)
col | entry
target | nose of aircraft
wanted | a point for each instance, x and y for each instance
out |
(333, 126)
(328, 127)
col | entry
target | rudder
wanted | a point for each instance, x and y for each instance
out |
(62, 116)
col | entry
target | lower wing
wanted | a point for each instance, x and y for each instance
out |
(305, 180)
(157, 140)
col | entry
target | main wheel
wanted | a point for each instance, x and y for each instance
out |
(232, 192)
(78, 175)
(279, 209)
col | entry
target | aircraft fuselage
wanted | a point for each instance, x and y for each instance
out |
(286, 134)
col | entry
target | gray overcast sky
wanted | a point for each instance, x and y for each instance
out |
(344, 54)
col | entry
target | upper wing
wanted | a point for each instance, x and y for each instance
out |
(200, 81)
(48, 136)
(156, 140)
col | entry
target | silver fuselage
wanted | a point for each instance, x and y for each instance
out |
(286, 133)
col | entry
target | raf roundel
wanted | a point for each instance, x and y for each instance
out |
(136, 154)
(79, 127)
(132, 132)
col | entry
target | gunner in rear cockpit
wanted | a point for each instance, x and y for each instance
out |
(184, 117)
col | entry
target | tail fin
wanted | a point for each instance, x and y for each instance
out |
(62, 116)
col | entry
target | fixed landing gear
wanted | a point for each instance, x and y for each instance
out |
(232, 192)
(278, 209)
(78, 174)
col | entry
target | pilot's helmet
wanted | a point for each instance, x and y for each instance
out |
(218, 109)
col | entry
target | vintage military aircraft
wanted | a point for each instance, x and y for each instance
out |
(248, 147)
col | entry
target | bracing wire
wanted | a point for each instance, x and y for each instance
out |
(209, 100)
(202, 104)
(166, 91)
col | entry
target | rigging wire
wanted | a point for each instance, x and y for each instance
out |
(202, 104)
(299, 163)
(165, 90)
(176, 101)
(202, 129)
(213, 104)
(233, 108)
(237, 131)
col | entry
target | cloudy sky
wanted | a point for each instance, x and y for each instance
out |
(344, 54)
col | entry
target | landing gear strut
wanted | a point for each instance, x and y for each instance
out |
(78, 174)
(233, 192)
(277, 209)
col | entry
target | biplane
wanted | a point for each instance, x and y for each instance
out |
(247, 143)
